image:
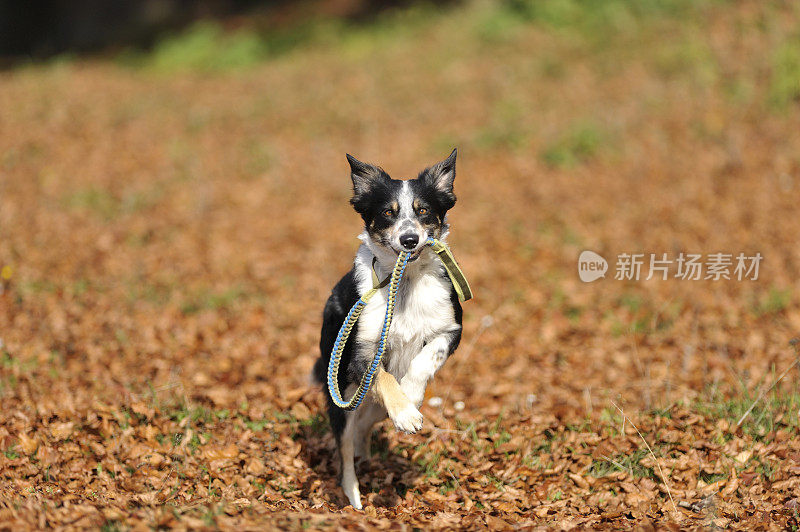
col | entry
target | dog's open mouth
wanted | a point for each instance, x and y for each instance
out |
(414, 254)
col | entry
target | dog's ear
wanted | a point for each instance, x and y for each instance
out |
(364, 175)
(440, 177)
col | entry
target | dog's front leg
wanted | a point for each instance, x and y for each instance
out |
(401, 410)
(426, 363)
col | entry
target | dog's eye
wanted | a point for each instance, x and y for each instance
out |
(388, 212)
(422, 210)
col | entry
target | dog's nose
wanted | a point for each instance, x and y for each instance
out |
(409, 241)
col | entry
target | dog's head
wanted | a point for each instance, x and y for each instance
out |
(401, 215)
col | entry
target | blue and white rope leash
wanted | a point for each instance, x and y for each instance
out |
(460, 284)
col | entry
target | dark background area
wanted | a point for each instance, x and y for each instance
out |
(37, 30)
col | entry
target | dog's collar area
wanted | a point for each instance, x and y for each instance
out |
(454, 272)
(376, 282)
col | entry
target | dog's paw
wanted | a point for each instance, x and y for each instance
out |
(356, 503)
(408, 419)
(351, 491)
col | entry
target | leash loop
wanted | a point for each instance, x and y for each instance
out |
(459, 283)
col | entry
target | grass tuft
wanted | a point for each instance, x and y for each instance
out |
(627, 463)
(773, 412)
(774, 302)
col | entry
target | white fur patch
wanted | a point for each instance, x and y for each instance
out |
(406, 202)
(423, 367)
(408, 419)
(423, 315)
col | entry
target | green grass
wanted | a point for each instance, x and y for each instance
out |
(36, 287)
(206, 47)
(710, 478)
(11, 453)
(95, 200)
(430, 463)
(774, 411)
(498, 25)
(640, 316)
(317, 424)
(500, 135)
(104, 205)
(111, 526)
(140, 289)
(639, 324)
(10, 381)
(784, 84)
(627, 463)
(6, 361)
(255, 425)
(689, 58)
(212, 300)
(766, 469)
(598, 20)
(577, 146)
(197, 414)
(774, 302)
(632, 302)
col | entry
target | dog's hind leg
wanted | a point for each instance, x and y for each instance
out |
(347, 451)
(366, 416)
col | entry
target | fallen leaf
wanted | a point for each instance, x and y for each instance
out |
(28, 444)
(61, 431)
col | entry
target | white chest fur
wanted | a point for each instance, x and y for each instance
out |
(422, 311)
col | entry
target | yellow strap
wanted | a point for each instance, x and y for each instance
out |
(457, 277)
(376, 283)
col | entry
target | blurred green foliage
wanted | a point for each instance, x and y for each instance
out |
(578, 145)
(598, 17)
(785, 79)
(772, 303)
(206, 47)
(100, 202)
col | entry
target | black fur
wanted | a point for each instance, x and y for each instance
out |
(439, 178)
(342, 298)
(375, 193)
(457, 314)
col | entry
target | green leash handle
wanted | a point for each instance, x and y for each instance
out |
(459, 283)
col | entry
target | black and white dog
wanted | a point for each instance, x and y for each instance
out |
(426, 327)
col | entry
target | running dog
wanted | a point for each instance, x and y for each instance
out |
(426, 327)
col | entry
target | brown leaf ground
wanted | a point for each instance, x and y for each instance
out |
(169, 239)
